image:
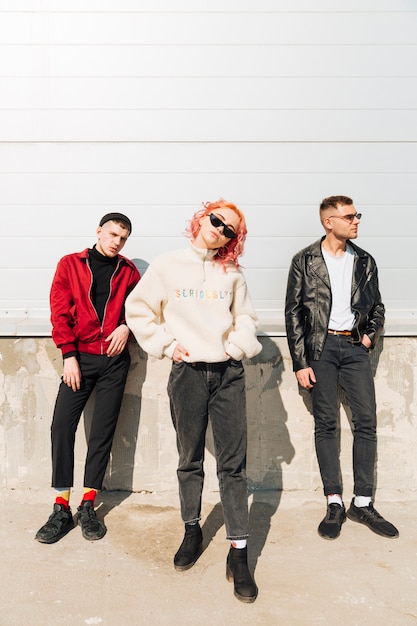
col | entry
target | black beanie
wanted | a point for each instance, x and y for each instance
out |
(116, 217)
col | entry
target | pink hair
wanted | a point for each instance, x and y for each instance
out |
(231, 252)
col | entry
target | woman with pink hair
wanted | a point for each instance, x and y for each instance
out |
(193, 307)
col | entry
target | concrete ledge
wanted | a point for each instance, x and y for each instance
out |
(32, 326)
(21, 324)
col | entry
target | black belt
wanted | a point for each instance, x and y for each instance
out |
(214, 367)
(345, 333)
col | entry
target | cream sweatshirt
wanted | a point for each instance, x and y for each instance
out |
(184, 298)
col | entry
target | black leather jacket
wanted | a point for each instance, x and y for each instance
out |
(309, 299)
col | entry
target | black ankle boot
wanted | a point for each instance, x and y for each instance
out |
(237, 571)
(190, 549)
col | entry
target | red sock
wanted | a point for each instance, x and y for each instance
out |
(90, 494)
(62, 497)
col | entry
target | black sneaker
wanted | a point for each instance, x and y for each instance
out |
(190, 548)
(331, 525)
(58, 525)
(370, 517)
(91, 527)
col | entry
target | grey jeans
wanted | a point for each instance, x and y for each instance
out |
(197, 391)
(348, 365)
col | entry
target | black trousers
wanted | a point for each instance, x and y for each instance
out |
(108, 376)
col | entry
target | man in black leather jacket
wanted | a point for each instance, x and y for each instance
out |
(334, 315)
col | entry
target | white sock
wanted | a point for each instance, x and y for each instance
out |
(239, 543)
(335, 498)
(362, 500)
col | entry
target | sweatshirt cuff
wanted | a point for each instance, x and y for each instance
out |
(234, 352)
(169, 350)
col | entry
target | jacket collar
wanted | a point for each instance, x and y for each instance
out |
(319, 266)
(83, 255)
(315, 248)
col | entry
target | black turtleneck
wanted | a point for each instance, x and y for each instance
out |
(103, 268)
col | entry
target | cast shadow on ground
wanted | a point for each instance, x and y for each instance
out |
(269, 446)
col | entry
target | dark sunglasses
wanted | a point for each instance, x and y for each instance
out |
(349, 218)
(216, 222)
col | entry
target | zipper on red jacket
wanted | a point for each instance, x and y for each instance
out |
(92, 304)
(107, 301)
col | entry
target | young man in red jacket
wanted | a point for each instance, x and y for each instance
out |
(87, 301)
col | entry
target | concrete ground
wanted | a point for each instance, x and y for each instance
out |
(128, 578)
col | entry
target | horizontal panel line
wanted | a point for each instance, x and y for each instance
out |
(245, 269)
(237, 77)
(153, 109)
(217, 12)
(155, 77)
(207, 172)
(213, 142)
(107, 44)
(205, 142)
(185, 204)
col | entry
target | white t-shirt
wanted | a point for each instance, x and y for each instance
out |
(340, 270)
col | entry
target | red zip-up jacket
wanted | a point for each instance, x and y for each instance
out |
(75, 324)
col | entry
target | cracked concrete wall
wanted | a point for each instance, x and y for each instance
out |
(281, 447)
